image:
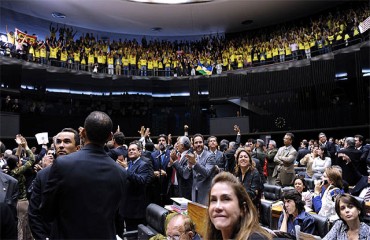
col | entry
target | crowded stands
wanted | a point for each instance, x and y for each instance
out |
(251, 188)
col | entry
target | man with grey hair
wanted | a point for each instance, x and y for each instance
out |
(349, 160)
(180, 185)
(259, 153)
(181, 227)
(330, 146)
(270, 154)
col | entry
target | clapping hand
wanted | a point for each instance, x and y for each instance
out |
(122, 161)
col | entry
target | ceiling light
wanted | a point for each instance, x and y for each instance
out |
(170, 1)
(156, 29)
(58, 15)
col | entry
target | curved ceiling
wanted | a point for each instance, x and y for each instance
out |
(127, 17)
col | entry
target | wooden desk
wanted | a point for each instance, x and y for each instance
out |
(276, 211)
(198, 213)
(367, 209)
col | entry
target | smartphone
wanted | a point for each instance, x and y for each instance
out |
(325, 182)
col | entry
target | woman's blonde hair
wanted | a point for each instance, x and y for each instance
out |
(248, 222)
(334, 175)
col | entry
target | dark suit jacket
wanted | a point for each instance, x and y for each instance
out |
(138, 177)
(361, 184)
(185, 181)
(39, 227)
(8, 224)
(301, 153)
(230, 155)
(83, 194)
(220, 159)
(159, 185)
(10, 195)
(252, 184)
(330, 146)
(158, 162)
(115, 152)
(352, 174)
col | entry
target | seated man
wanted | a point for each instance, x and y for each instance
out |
(181, 227)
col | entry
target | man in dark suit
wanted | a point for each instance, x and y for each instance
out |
(118, 148)
(302, 151)
(8, 224)
(9, 192)
(361, 187)
(160, 159)
(67, 141)
(330, 146)
(220, 158)
(138, 176)
(352, 167)
(179, 184)
(230, 152)
(85, 188)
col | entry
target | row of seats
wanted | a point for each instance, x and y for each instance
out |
(156, 218)
(272, 193)
(156, 215)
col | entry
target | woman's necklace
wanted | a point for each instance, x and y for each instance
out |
(352, 234)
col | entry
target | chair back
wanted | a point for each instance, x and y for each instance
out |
(265, 214)
(156, 217)
(310, 184)
(322, 225)
(272, 192)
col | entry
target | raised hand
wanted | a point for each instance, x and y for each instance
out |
(236, 128)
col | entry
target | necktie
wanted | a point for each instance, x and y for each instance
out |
(129, 165)
(367, 195)
(162, 159)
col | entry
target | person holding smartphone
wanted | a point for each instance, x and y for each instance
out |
(295, 214)
(325, 192)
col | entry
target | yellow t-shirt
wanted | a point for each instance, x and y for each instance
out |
(43, 52)
(63, 56)
(155, 64)
(288, 51)
(143, 62)
(150, 64)
(125, 61)
(110, 60)
(37, 53)
(53, 52)
(91, 58)
(275, 52)
(132, 59)
(76, 56)
(11, 38)
(100, 59)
